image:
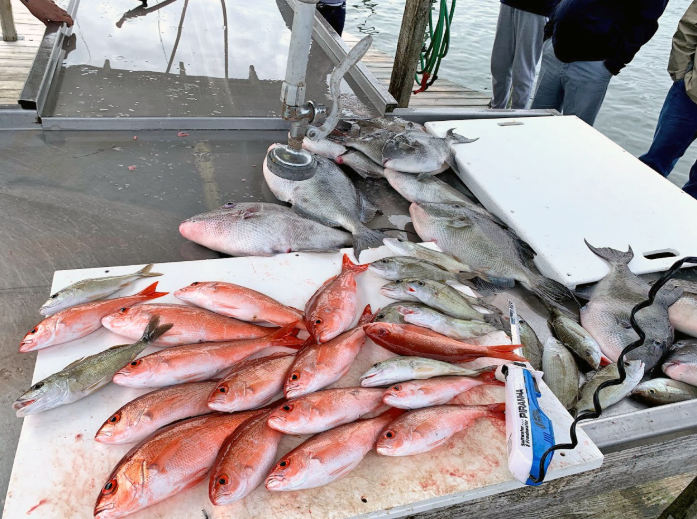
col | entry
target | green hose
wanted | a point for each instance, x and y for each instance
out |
(436, 45)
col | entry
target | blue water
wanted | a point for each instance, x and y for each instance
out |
(634, 98)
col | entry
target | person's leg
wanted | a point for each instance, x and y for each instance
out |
(585, 86)
(335, 16)
(529, 31)
(675, 131)
(691, 186)
(502, 57)
(549, 92)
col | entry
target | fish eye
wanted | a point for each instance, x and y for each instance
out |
(295, 376)
(38, 385)
(652, 391)
(383, 261)
(421, 283)
(398, 281)
(456, 206)
(389, 434)
(284, 463)
(222, 389)
(34, 330)
(223, 480)
(115, 418)
(229, 205)
(318, 321)
(136, 362)
(123, 310)
(53, 296)
(195, 283)
(287, 407)
(397, 387)
(380, 316)
(110, 487)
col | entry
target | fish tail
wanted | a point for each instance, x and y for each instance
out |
(286, 336)
(456, 137)
(613, 256)
(505, 352)
(153, 330)
(549, 291)
(366, 238)
(145, 272)
(366, 316)
(149, 292)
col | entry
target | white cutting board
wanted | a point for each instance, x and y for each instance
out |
(60, 468)
(556, 181)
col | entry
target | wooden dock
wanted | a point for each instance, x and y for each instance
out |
(16, 57)
(442, 94)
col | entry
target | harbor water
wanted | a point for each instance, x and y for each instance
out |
(634, 98)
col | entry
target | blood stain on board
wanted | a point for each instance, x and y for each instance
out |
(37, 505)
(78, 437)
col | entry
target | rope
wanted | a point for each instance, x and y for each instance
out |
(436, 45)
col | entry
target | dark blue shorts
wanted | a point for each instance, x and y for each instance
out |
(334, 14)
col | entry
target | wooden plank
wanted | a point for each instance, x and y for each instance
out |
(408, 49)
(621, 470)
(7, 22)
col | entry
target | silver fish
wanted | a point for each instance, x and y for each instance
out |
(421, 153)
(430, 189)
(330, 198)
(613, 394)
(459, 329)
(361, 164)
(400, 267)
(324, 147)
(660, 391)
(683, 313)
(393, 124)
(399, 369)
(532, 347)
(560, 372)
(681, 362)
(259, 229)
(485, 246)
(391, 312)
(577, 339)
(370, 144)
(447, 299)
(398, 290)
(91, 290)
(407, 248)
(606, 316)
(84, 376)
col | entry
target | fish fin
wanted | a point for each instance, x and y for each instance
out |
(493, 318)
(145, 272)
(306, 214)
(424, 176)
(457, 138)
(505, 352)
(452, 162)
(464, 277)
(286, 336)
(585, 292)
(366, 238)
(612, 256)
(344, 469)
(153, 330)
(669, 295)
(368, 209)
(76, 362)
(150, 292)
(548, 290)
(161, 460)
(366, 316)
(362, 172)
(604, 361)
(438, 443)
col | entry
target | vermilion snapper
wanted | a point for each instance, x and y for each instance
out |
(332, 309)
(191, 324)
(238, 302)
(325, 409)
(328, 456)
(81, 320)
(172, 460)
(407, 339)
(196, 362)
(317, 366)
(251, 383)
(426, 429)
(244, 460)
(141, 417)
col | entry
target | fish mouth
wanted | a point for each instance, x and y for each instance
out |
(103, 508)
(26, 345)
(20, 405)
(275, 482)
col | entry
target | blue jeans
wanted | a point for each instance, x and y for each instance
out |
(334, 14)
(576, 88)
(675, 131)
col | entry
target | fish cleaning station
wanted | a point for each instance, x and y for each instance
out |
(241, 278)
